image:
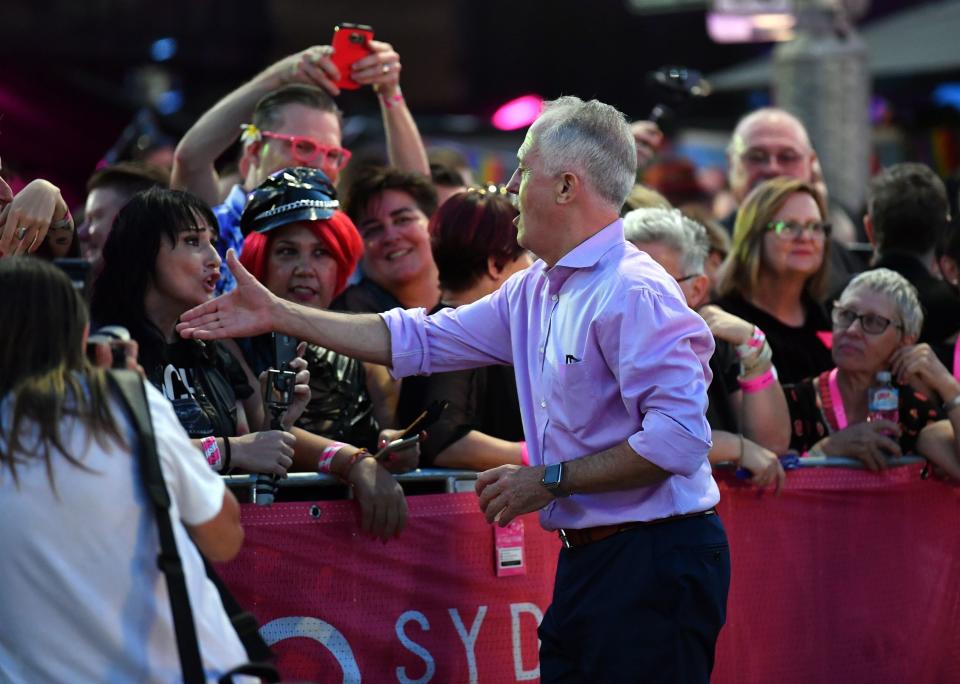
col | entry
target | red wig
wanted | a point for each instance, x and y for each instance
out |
(337, 233)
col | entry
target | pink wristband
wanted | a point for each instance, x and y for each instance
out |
(211, 452)
(753, 345)
(326, 457)
(524, 454)
(392, 101)
(759, 383)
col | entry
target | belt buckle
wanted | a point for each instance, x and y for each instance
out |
(564, 538)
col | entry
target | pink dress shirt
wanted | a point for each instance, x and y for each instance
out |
(605, 349)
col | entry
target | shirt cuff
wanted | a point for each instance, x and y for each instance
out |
(667, 445)
(408, 342)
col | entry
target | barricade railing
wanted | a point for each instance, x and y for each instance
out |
(462, 480)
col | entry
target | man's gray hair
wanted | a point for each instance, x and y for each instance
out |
(672, 229)
(592, 139)
(898, 289)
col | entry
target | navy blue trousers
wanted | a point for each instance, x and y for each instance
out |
(645, 605)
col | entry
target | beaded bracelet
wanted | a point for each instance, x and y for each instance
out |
(326, 458)
(355, 458)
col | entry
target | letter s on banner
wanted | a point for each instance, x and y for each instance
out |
(515, 610)
(321, 632)
(414, 647)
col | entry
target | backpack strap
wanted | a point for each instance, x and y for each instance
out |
(130, 387)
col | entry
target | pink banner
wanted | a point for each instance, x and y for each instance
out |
(426, 607)
(846, 577)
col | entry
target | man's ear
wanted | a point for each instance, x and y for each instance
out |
(567, 187)
(699, 291)
(250, 156)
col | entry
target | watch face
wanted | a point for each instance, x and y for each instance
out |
(551, 476)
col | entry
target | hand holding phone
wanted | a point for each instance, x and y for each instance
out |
(413, 433)
(351, 43)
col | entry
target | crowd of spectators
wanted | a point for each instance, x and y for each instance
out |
(802, 328)
(414, 233)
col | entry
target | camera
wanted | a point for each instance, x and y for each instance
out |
(110, 335)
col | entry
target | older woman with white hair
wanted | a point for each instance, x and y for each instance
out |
(876, 323)
(747, 410)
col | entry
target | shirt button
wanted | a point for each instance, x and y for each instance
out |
(540, 349)
(555, 297)
(543, 404)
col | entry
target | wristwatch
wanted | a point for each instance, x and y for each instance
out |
(553, 478)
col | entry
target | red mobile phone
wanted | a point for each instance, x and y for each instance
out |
(350, 43)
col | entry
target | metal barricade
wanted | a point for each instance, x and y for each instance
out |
(463, 480)
(452, 481)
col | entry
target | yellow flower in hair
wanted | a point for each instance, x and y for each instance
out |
(249, 134)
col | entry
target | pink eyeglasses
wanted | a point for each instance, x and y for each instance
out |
(305, 150)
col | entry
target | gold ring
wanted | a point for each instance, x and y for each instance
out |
(386, 68)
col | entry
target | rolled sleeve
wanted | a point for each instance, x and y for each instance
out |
(408, 342)
(469, 336)
(663, 351)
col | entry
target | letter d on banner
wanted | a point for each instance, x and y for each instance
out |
(515, 610)
(321, 632)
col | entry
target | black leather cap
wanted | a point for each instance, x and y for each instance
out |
(294, 194)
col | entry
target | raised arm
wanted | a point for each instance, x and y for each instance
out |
(404, 145)
(215, 131)
(761, 403)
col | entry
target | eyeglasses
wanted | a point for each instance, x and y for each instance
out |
(760, 157)
(688, 277)
(870, 323)
(305, 150)
(791, 230)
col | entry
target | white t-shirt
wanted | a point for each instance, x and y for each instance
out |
(81, 597)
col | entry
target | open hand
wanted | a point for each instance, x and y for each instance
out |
(248, 310)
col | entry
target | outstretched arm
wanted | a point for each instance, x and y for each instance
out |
(251, 309)
(215, 131)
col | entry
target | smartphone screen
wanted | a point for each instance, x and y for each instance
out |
(350, 43)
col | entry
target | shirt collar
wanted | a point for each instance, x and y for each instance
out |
(589, 252)
(236, 200)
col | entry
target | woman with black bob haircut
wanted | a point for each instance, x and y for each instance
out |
(73, 515)
(159, 261)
